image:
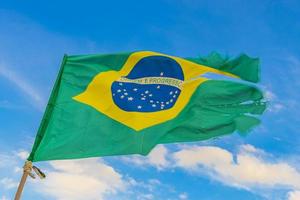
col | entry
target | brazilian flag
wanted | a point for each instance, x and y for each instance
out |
(127, 103)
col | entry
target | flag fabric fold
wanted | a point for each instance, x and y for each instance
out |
(243, 66)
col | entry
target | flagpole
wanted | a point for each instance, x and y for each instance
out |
(26, 171)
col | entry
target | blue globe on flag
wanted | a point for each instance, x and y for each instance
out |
(154, 84)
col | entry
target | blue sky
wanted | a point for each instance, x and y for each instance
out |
(265, 164)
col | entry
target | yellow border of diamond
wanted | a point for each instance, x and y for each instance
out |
(98, 93)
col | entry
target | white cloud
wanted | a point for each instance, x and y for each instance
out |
(7, 160)
(80, 180)
(13, 160)
(8, 183)
(22, 154)
(23, 85)
(250, 149)
(150, 189)
(83, 179)
(294, 195)
(247, 169)
(152, 184)
(275, 105)
(269, 95)
(3, 197)
(157, 158)
(183, 196)
(145, 197)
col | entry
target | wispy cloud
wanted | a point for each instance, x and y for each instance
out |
(183, 196)
(7, 160)
(3, 198)
(23, 86)
(152, 189)
(288, 81)
(274, 104)
(294, 195)
(9, 105)
(10, 171)
(8, 183)
(32, 69)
